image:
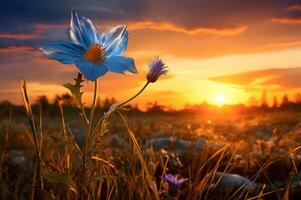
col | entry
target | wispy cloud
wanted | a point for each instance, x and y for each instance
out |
(285, 78)
(172, 27)
(287, 20)
(284, 44)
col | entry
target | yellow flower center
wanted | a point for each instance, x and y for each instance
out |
(95, 53)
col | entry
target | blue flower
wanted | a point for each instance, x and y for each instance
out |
(174, 181)
(156, 69)
(94, 54)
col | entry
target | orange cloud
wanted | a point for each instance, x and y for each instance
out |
(282, 78)
(171, 27)
(286, 44)
(287, 20)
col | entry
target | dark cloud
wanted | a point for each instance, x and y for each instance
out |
(21, 16)
(18, 15)
(31, 17)
(189, 16)
(290, 15)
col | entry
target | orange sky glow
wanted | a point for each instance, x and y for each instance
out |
(224, 61)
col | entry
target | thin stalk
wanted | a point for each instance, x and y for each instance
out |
(34, 132)
(65, 135)
(84, 114)
(90, 121)
(5, 142)
(92, 107)
(3, 187)
(63, 120)
(118, 106)
(130, 99)
(140, 157)
(93, 133)
(41, 130)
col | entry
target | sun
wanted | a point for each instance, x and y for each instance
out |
(220, 99)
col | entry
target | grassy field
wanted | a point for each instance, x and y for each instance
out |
(219, 156)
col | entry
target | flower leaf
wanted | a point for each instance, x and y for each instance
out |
(75, 89)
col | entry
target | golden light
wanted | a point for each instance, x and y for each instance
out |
(220, 99)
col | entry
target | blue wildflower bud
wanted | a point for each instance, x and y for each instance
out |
(156, 68)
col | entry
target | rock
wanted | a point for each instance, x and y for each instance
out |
(79, 135)
(116, 141)
(234, 180)
(160, 143)
(199, 143)
(175, 144)
(263, 131)
(15, 157)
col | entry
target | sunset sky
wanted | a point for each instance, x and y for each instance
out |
(220, 51)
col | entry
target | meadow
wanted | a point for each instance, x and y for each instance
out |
(217, 154)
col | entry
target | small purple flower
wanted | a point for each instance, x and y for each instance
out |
(156, 69)
(174, 181)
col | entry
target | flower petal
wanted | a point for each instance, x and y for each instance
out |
(90, 70)
(120, 64)
(115, 40)
(62, 51)
(82, 31)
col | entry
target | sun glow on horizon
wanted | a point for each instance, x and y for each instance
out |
(220, 99)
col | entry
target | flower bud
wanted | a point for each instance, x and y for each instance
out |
(156, 68)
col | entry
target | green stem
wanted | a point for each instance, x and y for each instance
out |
(92, 114)
(93, 107)
(84, 114)
(89, 123)
(130, 99)
(118, 106)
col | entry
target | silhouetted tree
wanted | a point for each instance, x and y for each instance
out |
(107, 102)
(54, 108)
(5, 103)
(285, 102)
(56, 100)
(275, 102)
(155, 108)
(67, 99)
(113, 100)
(5, 109)
(264, 103)
(43, 101)
(98, 102)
